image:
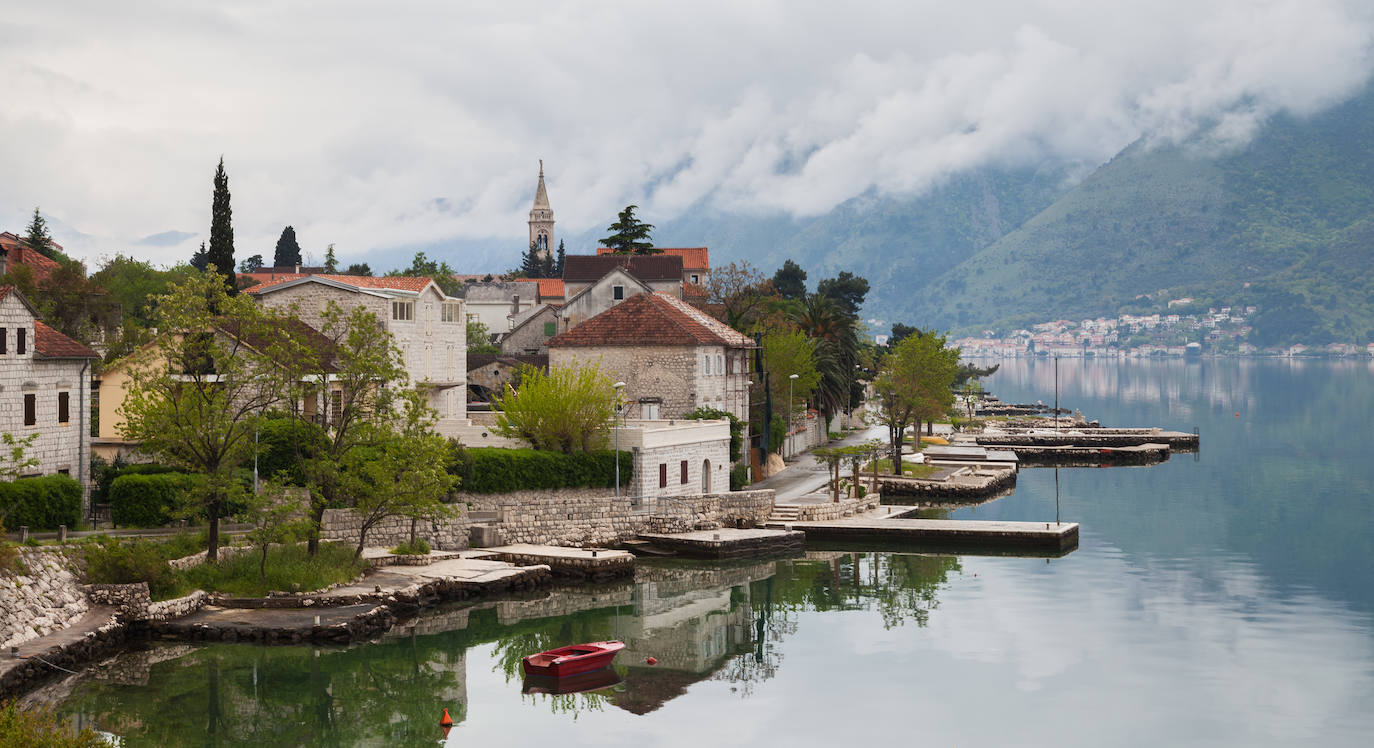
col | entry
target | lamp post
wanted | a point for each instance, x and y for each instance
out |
(790, 379)
(615, 426)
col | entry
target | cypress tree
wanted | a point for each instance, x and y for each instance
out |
(288, 252)
(331, 263)
(558, 264)
(36, 237)
(530, 263)
(221, 253)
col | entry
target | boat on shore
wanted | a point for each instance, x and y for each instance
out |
(571, 660)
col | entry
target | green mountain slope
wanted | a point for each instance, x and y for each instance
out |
(1288, 215)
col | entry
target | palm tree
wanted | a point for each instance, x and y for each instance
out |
(837, 348)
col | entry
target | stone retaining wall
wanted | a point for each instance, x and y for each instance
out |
(39, 595)
(896, 490)
(101, 642)
(445, 534)
(836, 509)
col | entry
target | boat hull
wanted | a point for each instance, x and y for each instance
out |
(565, 661)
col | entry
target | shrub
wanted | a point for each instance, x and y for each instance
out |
(278, 440)
(148, 500)
(496, 470)
(288, 567)
(41, 503)
(418, 548)
(777, 433)
(110, 561)
(704, 413)
(40, 727)
(104, 473)
(739, 477)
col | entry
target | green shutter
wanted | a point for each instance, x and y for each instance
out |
(549, 329)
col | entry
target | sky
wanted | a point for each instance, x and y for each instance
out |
(378, 127)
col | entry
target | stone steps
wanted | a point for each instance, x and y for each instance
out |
(784, 513)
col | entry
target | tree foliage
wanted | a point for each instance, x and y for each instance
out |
(786, 353)
(913, 384)
(790, 281)
(738, 294)
(424, 267)
(288, 251)
(196, 395)
(847, 290)
(37, 238)
(629, 235)
(567, 410)
(220, 255)
(251, 264)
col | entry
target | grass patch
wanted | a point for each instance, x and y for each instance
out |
(289, 568)
(41, 728)
(909, 469)
(419, 548)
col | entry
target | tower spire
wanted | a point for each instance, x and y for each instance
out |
(541, 216)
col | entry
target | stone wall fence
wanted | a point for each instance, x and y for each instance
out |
(39, 595)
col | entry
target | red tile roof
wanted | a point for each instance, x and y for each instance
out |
(49, 343)
(693, 258)
(651, 319)
(589, 268)
(550, 288)
(17, 254)
(394, 282)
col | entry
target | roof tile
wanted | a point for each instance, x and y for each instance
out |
(589, 268)
(49, 343)
(651, 319)
(693, 258)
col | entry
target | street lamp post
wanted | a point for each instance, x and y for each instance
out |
(790, 379)
(615, 425)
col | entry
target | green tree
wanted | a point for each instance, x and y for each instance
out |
(532, 262)
(837, 350)
(251, 265)
(913, 384)
(359, 268)
(790, 281)
(273, 516)
(221, 252)
(196, 395)
(567, 410)
(848, 291)
(200, 259)
(13, 463)
(738, 294)
(422, 266)
(786, 353)
(558, 262)
(479, 338)
(361, 371)
(288, 252)
(331, 263)
(900, 332)
(36, 238)
(629, 235)
(400, 471)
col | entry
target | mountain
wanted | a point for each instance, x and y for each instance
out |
(1284, 224)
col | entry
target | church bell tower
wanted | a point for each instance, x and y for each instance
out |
(541, 218)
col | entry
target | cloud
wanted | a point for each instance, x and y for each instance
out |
(419, 124)
(166, 239)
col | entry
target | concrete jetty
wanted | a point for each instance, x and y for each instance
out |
(945, 533)
(1019, 439)
(727, 542)
(591, 564)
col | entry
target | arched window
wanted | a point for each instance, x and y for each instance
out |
(706, 476)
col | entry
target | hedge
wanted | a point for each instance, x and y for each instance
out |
(41, 503)
(497, 470)
(148, 500)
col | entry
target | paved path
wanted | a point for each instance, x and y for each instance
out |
(94, 618)
(804, 481)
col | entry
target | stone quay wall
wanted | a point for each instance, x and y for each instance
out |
(39, 595)
(836, 509)
(444, 534)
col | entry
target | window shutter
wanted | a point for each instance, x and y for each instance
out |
(663, 475)
(684, 472)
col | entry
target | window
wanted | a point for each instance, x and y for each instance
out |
(4, 340)
(696, 278)
(449, 311)
(335, 407)
(662, 475)
(706, 365)
(64, 414)
(21, 345)
(684, 472)
(720, 363)
(649, 411)
(30, 410)
(550, 330)
(618, 292)
(403, 311)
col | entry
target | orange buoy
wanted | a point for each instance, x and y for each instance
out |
(1237, 415)
(651, 660)
(446, 721)
(446, 731)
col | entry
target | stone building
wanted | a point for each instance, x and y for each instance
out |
(429, 327)
(611, 289)
(498, 304)
(662, 273)
(44, 390)
(531, 335)
(696, 262)
(673, 357)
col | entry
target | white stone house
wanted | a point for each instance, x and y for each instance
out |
(673, 357)
(612, 288)
(44, 389)
(696, 262)
(499, 304)
(676, 458)
(429, 327)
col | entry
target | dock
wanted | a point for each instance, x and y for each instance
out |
(1081, 456)
(1019, 439)
(947, 534)
(587, 564)
(730, 543)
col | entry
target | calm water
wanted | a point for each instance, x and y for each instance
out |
(1222, 600)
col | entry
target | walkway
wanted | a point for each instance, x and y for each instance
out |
(804, 481)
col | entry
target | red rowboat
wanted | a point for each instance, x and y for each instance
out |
(579, 658)
(596, 680)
